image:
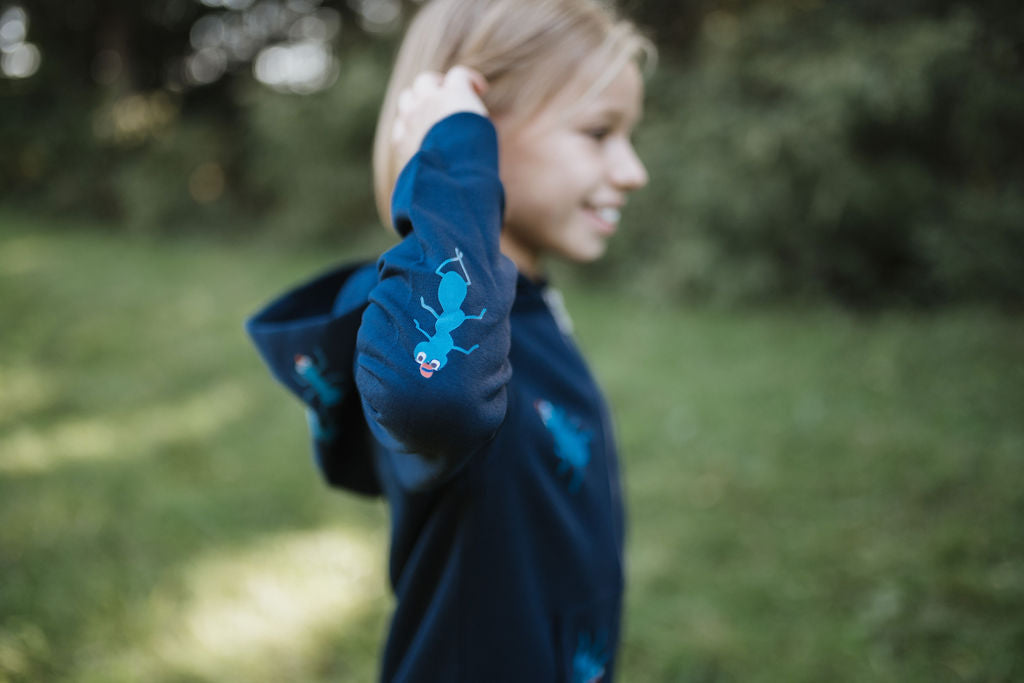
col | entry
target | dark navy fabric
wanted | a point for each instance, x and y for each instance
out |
(441, 379)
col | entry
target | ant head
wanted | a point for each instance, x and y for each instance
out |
(428, 362)
(545, 409)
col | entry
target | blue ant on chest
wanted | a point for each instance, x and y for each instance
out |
(432, 355)
(571, 441)
(589, 660)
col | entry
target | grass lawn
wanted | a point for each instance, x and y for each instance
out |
(814, 496)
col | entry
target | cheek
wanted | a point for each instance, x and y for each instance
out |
(541, 204)
(548, 182)
(544, 183)
(526, 194)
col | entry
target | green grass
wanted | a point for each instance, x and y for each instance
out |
(813, 496)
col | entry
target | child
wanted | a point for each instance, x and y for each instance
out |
(445, 378)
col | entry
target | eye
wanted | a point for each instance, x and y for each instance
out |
(436, 364)
(598, 133)
(420, 357)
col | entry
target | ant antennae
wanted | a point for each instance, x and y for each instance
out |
(458, 257)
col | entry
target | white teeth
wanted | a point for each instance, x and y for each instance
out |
(609, 215)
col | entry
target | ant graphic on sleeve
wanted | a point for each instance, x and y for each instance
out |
(432, 355)
(321, 386)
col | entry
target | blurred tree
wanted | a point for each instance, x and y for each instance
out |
(856, 151)
(867, 151)
(133, 98)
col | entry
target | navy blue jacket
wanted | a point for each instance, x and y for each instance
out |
(441, 379)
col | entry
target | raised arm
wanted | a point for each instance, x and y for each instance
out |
(433, 388)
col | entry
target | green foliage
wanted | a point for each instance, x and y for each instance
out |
(865, 152)
(296, 169)
(813, 495)
(50, 160)
(307, 172)
(154, 182)
(804, 154)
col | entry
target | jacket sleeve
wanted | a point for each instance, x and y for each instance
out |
(432, 351)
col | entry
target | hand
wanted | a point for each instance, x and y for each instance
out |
(431, 98)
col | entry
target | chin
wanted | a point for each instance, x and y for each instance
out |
(585, 254)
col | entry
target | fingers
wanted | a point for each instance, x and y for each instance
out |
(431, 97)
(423, 86)
(406, 101)
(409, 99)
(460, 75)
(397, 131)
(427, 82)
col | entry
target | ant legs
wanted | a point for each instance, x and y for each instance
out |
(423, 303)
(425, 334)
(476, 317)
(472, 348)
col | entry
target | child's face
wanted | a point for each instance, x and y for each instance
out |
(567, 172)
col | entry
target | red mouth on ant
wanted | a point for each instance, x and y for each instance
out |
(426, 370)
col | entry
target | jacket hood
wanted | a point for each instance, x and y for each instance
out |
(307, 337)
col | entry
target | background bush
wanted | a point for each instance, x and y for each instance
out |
(869, 163)
(854, 152)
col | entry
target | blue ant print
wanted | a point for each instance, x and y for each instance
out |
(571, 442)
(321, 430)
(321, 386)
(432, 355)
(589, 660)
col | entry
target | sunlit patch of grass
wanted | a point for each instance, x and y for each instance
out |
(22, 255)
(262, 613)
(24, 391)
(33, 449)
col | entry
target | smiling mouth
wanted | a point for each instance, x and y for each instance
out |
(426, 371)
(607, 218)
(609, 215)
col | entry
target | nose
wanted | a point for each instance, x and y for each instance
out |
(627, 171)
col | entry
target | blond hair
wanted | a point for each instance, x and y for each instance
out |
(528, 50)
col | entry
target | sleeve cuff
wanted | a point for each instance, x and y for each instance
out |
(463, 137)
